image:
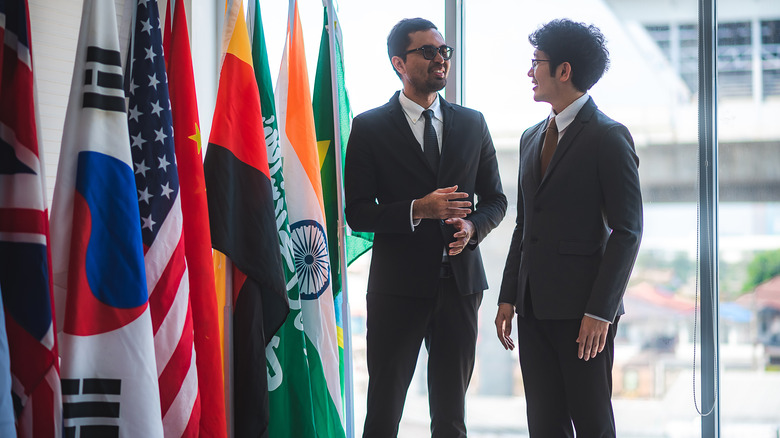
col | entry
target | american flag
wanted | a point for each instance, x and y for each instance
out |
(25, 274)
(151, 138)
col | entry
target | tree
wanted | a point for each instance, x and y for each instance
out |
(763, 267)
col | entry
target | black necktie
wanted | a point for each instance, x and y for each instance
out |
(430, 141)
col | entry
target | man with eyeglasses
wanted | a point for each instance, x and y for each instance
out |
(414, 167)
(579, 224)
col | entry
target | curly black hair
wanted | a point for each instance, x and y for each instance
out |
(583, 46)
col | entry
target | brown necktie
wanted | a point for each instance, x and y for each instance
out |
(550, 143)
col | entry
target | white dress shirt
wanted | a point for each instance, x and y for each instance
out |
(565, 117)
(413, 112)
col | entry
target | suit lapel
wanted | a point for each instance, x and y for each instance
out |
(572, 131)
(537, 141)
(448, 115)
(398, 118)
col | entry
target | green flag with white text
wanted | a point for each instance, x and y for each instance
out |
(289, 380)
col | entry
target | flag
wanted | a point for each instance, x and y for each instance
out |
(197, 241)
(150, 127)
(243, 224)
(109, 376)
(357, 243)
(7, 427)
(331, 154)
(25, 270)
(308, 229)
(289, 383)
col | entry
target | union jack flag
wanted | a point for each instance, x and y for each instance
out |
(25, 268)
(151, 136)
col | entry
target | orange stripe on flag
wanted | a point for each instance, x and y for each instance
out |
(220, 275)
(300, 116)
(239, 42)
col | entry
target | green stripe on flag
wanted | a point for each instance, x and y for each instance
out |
(289, 378)
(322, 104)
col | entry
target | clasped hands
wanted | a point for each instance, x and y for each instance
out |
(445, 204)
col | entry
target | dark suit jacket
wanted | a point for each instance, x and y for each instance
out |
(578, 227)
(386, 169)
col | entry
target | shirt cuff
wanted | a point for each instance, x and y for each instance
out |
(412, 221)
(597, 317)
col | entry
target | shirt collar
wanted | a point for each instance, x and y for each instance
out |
(565, 117)
(414, 111)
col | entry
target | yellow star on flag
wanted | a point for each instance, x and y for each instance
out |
(196, 137)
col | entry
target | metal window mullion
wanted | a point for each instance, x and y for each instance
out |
(708, 217)
(453, 35)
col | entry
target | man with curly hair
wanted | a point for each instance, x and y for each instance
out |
(577, 234)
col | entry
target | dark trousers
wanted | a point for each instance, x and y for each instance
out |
(562, 390)
(396, 327)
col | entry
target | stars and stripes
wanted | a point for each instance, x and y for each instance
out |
(197, 238)
(157, 182)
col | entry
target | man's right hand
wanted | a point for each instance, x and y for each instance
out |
(441, 204)
(504, 325)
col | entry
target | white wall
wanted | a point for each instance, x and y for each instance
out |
(55, 29)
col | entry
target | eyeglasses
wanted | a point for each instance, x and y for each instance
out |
(535, 62)
(429, 52)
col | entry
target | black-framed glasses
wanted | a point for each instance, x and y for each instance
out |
(429, 52)
(535, 62)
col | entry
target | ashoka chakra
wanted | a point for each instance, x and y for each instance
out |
(310, 252)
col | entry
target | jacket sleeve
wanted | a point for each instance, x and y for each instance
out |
(491, 202)
(618, 170)
(510, 278)
(363, 212)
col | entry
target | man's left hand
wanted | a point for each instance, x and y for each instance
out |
(592, 338)
(465, 230)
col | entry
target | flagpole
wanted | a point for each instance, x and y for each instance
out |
(349, 413)
(228, 343)
(291, 17)
(227, 310)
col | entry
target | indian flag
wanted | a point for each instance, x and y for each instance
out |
(289, 384)
(308, 229)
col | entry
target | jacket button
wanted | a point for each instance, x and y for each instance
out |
(534, 239)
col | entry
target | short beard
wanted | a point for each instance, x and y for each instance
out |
(431, 86)
(436, 85)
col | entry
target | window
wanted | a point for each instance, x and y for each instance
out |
(770, 57)
(735, 57)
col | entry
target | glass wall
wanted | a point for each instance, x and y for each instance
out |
(749, 234)
(652, 88)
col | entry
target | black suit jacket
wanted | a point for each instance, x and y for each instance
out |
(579, 226)
(386, 169)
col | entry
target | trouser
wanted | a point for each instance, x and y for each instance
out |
(396, 327)
(562, 391)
